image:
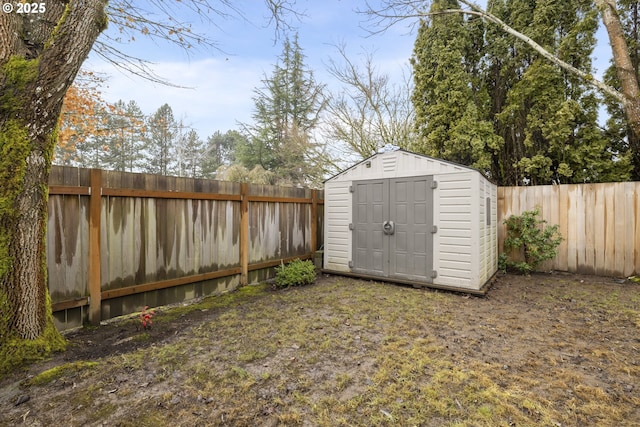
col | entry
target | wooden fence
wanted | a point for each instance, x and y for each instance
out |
(119, 241)
(600, 224)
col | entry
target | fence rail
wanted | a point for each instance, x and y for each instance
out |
(118, 241)
(600, 224)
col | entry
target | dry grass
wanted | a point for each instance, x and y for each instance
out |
(544, 350)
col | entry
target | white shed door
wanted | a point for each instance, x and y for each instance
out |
(393, 220)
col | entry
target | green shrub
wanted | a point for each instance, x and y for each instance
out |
(296, 273)
(503, 261)
(534, 241)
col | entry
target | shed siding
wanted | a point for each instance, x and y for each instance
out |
(453, 248)
(488, 238)
(337, 237)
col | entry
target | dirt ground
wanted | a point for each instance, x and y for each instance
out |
(543, 350)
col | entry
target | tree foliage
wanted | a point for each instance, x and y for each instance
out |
(221, 150)
(487, 101)
(547, 116)
(163, 128)
(190, 150)
(120, 142)
(79, 121)
(449, 97)
(531, 239)
(287, 111)
(533, 59)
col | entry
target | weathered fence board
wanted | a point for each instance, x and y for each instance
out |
(599, 222)
(119, 241)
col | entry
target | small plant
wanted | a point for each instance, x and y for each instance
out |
(146, 318)
(535, 241)
(296, 273)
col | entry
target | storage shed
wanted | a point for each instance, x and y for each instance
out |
(404, 217)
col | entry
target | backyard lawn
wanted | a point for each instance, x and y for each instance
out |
(544, 350)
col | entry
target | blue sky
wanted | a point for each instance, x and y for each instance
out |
(222, 82)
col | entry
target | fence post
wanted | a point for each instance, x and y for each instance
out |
(95, 260)
(244, 233)
(314, 222)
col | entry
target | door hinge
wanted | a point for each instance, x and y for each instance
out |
(351, 226)
(434, 184)
(351, 189)
(434, 274)
(434, 229)
(350, 264)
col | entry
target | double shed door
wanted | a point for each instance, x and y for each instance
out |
(392, 228)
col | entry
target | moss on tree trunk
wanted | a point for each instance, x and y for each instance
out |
(27, 331)
(38, 62)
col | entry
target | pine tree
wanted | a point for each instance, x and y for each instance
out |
(123, 137)
(160, 143)
(191, 150)
(286, 112)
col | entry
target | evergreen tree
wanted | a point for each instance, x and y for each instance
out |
(548, 117)
(160, 143)
(221, 150)
(124, 137)
(448, 99)
(90, 151)
(490, 101)
(286, 112)
(191, 150)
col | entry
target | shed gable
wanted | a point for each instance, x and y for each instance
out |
(399, 163)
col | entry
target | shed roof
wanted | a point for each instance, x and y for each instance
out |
(427, 164)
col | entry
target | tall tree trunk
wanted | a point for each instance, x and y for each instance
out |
(40, 55)
(627, 76)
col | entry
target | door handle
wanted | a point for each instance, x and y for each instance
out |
(388, 227)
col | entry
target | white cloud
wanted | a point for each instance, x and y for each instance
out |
(216, 92)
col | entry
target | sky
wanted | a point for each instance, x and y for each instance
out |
(221, 83)
(218, 86)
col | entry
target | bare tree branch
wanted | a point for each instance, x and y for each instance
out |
(164, 22)
(370, 112)
(131, 64)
